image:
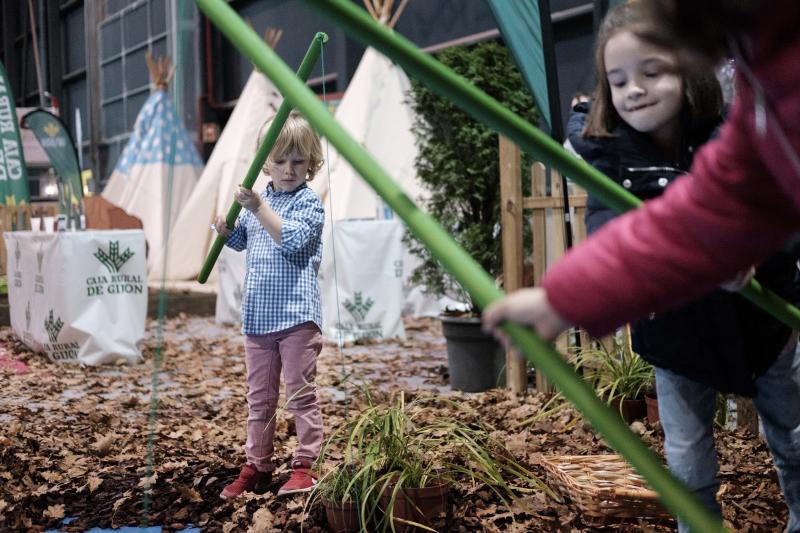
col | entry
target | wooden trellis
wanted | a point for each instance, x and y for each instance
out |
(542, 203)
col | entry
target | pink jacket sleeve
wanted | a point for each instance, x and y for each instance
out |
(728, 213)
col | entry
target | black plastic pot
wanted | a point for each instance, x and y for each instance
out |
(476, 360)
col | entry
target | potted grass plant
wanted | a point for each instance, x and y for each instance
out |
(407, 455)
(458, 167)
(619, 375)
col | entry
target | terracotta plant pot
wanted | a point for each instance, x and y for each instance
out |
(419, 505)
(652, 408)
(342, 516)
(631, 409)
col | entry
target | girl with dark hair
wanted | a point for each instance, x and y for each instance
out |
(739, 203)
(647, 117)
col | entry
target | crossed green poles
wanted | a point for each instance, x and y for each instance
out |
(463, 267)
(306, 66)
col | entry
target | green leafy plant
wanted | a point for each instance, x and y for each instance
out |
(618, 373)
(458, 162)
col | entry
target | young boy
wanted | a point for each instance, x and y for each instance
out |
(281, 311)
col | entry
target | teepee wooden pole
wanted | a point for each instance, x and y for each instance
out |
(371, 9)
(397, 13)
(272, 36)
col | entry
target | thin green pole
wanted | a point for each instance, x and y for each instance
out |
(465, 269)
(489, 111)
(264, 149)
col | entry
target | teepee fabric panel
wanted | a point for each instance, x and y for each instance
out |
(232, 267)
(159, 149)
(226, 168)
(375, 111)
(365, 280)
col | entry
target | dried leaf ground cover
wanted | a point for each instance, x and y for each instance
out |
(73, 441)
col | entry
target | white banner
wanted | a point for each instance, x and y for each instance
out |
(78, 296)
(231, 268)
(369, 275)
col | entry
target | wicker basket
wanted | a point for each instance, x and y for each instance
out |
(603, 487)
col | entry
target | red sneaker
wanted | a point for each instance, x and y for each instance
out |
(302, 479)
(249, 480)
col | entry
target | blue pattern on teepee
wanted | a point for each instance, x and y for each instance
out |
(151, 140)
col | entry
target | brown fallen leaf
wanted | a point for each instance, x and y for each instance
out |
(94, 482)
(55, 511)
(103, 444)
(52, 477)
(263, 520)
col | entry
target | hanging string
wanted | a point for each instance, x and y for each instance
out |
(162, 293)
(339, 340)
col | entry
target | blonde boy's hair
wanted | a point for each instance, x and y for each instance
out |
(296, 134)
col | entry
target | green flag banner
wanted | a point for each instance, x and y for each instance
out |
(13, 173)
(57, 143)
(521, 26)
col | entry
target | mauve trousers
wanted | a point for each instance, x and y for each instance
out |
(295, 351)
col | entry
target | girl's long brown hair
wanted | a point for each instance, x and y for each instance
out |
(702, 93)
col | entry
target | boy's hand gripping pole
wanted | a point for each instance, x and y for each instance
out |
(271, 136)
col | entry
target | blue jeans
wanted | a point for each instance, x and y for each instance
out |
(686, 409)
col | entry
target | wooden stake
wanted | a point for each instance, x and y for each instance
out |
(511, 223)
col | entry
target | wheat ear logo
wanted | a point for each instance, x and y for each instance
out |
(17, 253)
(53, 326)
(113, 260)
(358, 307)
(51, 129)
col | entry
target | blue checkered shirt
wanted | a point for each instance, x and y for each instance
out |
(280, 287)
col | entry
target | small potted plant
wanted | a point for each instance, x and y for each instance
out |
(619, 376)
(458, 165)
(340, 492)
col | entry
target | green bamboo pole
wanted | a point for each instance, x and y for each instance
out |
(310, 59)
(489, 111)
(466, 270)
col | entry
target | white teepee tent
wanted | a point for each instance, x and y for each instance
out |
(376, 112)
(159, 149)
(191, 235)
